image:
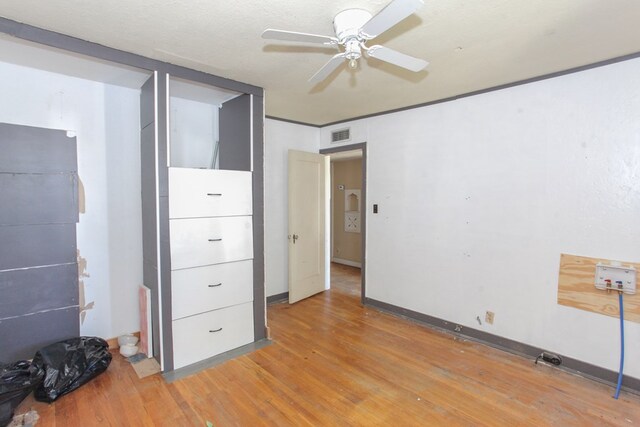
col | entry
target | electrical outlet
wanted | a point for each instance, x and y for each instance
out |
(488, 317)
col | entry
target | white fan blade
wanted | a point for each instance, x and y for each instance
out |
(298, 37)
(393, 13)
(396, 58)
(328, 68)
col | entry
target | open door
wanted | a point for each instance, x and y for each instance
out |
(307, 196)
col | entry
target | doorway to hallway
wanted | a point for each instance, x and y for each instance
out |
(348, 218)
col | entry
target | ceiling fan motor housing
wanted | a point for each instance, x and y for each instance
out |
(347, 23)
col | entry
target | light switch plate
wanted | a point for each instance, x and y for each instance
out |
(627, 275)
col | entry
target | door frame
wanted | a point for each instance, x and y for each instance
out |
(363, 211)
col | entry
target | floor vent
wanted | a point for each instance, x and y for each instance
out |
(340, 135)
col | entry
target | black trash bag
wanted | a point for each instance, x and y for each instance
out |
(69, 364)
(16, 382)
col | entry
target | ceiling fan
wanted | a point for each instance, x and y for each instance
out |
(353, 28)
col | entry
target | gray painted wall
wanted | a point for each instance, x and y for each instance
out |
(38, 289)
(22, 336)
(38, 215)
(27, 149)
(235, 134)
(39, 198)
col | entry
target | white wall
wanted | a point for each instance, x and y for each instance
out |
(280, 137)
(194, 133)
(106, 121)
(479, 197)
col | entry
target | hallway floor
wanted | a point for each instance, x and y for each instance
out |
(345, 279)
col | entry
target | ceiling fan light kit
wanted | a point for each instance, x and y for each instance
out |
(353, 28)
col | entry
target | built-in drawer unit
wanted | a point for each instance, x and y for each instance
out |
(203, 241)
(195, 193)
(200, 289)
(200, 180)
(199, 337)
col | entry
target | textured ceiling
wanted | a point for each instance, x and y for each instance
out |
(470, 44)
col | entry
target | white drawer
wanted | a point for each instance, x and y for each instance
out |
(205, 241)
(202, 336)
(200, 289)
(197, 193)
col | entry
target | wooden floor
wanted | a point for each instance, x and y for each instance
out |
(334, 362)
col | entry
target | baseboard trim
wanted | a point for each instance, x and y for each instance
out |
(278, 298)
(346, 262)
(569, 364)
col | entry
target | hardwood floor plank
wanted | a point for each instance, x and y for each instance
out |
(333, 363)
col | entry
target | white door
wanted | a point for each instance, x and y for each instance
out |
(307, 192)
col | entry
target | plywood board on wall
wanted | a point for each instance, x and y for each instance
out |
(576, 288)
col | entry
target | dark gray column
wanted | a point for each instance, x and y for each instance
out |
(259, 302)
(235, 134)
(155, 213)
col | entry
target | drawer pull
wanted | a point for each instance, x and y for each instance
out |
(216, 285)
(214, 194)
(215, 240)
(215, 330)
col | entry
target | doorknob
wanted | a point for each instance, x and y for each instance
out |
(295, 237)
